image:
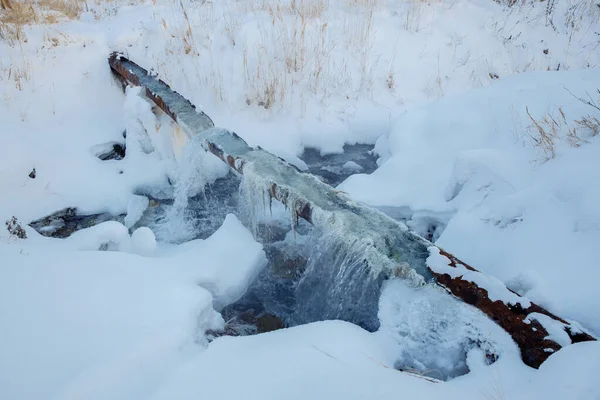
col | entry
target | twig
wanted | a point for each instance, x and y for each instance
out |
(589, 102)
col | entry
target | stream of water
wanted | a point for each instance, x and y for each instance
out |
(310, 276)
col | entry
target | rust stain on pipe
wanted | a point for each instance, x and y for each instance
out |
(531, 336)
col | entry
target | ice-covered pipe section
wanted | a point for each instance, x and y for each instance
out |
(175, 105)
(385, 243)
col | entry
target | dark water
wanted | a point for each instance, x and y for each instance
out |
(330, 167)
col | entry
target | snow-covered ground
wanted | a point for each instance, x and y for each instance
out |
(451, 93)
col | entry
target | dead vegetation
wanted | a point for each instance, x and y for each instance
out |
(24, 12)
(16, 14)
(548, 131)
(15, 229)
(559, 15)
(545, 132)
(591, 123)
(5, 5)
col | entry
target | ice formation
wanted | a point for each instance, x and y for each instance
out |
(434, 332)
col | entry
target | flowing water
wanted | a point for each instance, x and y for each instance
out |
(311, 275)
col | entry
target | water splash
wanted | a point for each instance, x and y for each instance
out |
(195, 169)
(338, 283)
(434, 331)
(189, 180)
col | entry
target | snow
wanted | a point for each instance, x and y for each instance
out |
(556, 329)
(428, 154)
(78, 317)
(79, 323)
(143, 241)
(553, 378)
(441, 88)
(112, 234)
(232, 260)
(135, 209)
(496, 290)
(351, 166)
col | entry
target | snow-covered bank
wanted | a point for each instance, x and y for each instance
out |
(333, 359)
(89, 324)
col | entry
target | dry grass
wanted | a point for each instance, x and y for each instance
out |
(293, 50)
(19, 13)
(12, 33)
(577, 15)
(290, 53)
(547, 132)
(364, 3)
(16, 14)
(415, 18)
(304, 8)
(496, 391)
(15, 229)
(589, 123)
(282, 53)
(24, 12)
(19, 75)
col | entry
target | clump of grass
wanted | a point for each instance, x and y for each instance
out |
(18, 75)
(575, 16)
(363, 3)
(15, 229)
(390, 81)
(16, 14)
(12, 33)
(300, 53)
(589, 123)
(25, 12)
(546, 132)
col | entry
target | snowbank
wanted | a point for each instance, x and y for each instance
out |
(108, 324)
(334, 359)
(330, 359)
(230, 261)
(72, 320)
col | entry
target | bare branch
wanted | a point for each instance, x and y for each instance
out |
(589, 101)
